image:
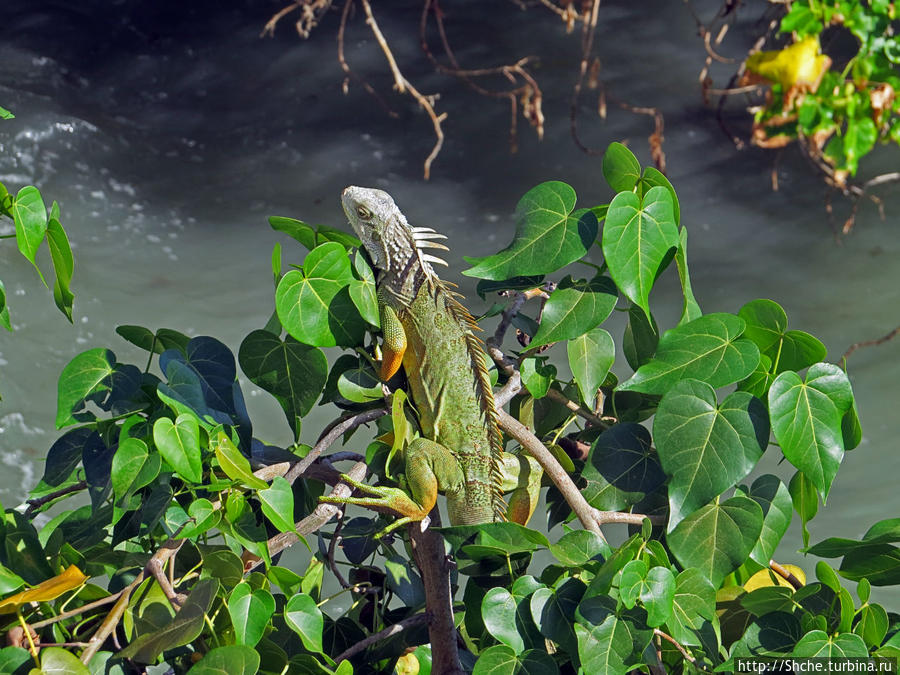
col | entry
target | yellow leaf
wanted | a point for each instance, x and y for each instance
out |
(407, 664)
(46, 590)
(798, 64)
(766, 577)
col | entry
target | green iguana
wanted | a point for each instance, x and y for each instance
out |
(429, 333)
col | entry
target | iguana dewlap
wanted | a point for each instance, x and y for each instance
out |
(429, 333)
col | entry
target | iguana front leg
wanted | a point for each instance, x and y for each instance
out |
(430, 467)
(522, 477)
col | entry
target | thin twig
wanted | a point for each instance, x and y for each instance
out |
(35, 504)
(868, 343)
(562, 480)
(402, 85)
(684, 652)
(331, 435)
(396, 628)
(320, 515)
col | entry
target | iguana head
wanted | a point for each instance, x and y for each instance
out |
(387, 237)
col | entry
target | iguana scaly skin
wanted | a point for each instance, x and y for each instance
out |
(429, 333)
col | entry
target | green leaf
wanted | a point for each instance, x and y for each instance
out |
(818, 643)
(620, 168)
(537, 376)
(872, 625)
(250, 610)
(641, 338)
(228, 660)
(30, 216)
(638, 237)
(577, 547)
(63, 264)
(775, 501)
(851, 429)
(718, 538)
(84, 375)
(591, 355)
(292, 372)
(622, 468)
(204, 516)
(693, 607)
(6, 114)
(498, 610)
(552, 612)
(549, 236)
(15, 660)
(709, 349)
(183, 628)
(314, 304)
(806, 420)
(58, 661)
(295, 229)
(690, 309)
(502, 660)
(787, 349)
(879, 563)
(360, 384)
(805, 500)
(179, 444)
(235, 465)
(305, 618)
(652, 177)
(607, 642)
(278, 504)
(362, 291)
(706, 448)
(127, 464)
(655, 588)
(574, 308)
(4, 309)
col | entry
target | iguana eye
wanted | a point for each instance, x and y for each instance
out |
(363, 212)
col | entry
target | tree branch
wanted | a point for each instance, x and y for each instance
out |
(398, 627)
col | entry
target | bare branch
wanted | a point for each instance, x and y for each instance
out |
(531, 443)
(35, 504)
(684, 652)
(396, 628)
(868, 343)
(786, 574)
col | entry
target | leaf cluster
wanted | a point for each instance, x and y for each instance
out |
(189, 510)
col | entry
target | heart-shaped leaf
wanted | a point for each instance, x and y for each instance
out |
(498, 610)
(549, 236)
(278, 504)
(305, 619)
(294, 373)
(314, 304)
(30, 216)
(654, 588)
(620, 168)
(806, 419)
(250, 610)
(179, 444)
(709, 349)
(718, 538)
(84, 375)
(591, 355)
(705, 447)
(231, 659)
(638, 236)
(693, 606)
(818, 643)
(574, 308)
(235, 465)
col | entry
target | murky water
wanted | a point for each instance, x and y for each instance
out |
(169, 131)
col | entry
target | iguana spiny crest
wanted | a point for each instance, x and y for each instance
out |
(403, 266)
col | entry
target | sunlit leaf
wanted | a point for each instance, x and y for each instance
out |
(709, 349)
(250, 610)
(179, 444)
(45, 591)
(704, 446)
(84, 375)
(806, 420)
(30, 216)
(574, 308)
(638, 237)
(549, 236)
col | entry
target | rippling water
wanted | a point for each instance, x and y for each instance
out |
(169, 131)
